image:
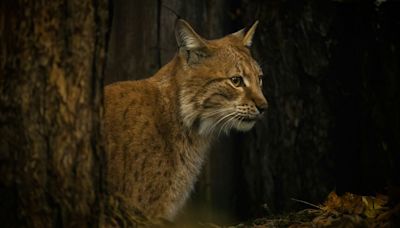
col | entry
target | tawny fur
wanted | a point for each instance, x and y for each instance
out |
(158, 130)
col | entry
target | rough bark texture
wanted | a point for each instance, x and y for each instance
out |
(52, 58)
(133, 48)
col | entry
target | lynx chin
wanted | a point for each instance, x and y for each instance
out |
(158, 130)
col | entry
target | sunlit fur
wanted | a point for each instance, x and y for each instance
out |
(219, 106)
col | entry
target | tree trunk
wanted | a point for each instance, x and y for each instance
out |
(133, 47)
(52, 58)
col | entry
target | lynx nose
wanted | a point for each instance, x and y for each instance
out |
(261, 104)
(262, 107)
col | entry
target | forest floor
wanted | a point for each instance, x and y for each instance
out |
(343, 211)
(348, 210)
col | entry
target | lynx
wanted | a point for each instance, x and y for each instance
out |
(158, 130)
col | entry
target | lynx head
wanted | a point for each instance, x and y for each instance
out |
(220, 84)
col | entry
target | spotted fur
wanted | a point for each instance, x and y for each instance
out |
(158, 130)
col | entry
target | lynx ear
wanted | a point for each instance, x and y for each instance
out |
(240, 33)
(191, 45)
(248, 36)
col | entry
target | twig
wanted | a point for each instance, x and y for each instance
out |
(305, 202)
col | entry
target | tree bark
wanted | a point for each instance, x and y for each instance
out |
(133, 47)
(52, 58)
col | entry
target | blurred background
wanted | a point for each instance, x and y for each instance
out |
(332, 80)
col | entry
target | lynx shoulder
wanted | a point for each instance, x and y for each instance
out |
(157, 131)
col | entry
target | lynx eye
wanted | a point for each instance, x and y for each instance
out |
(237, 81)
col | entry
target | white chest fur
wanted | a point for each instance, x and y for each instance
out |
(190, 161)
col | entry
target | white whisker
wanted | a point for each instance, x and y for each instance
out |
(215, 112)
(222, 119)
(212, 127)
(225, 127)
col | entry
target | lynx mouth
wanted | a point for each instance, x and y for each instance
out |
(248, 119)
(245, 124)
